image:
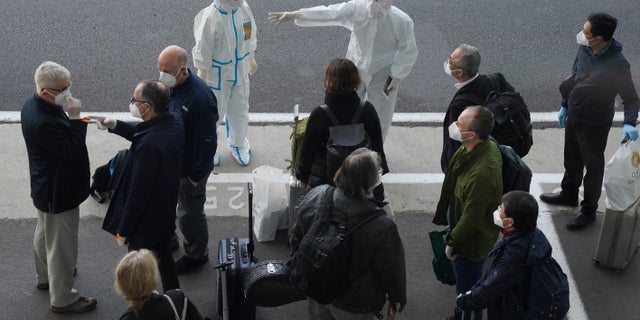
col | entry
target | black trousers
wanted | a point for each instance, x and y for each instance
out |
(166, 265)
(584, 147)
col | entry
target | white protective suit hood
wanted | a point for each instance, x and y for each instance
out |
(378, 8)
(231, 3)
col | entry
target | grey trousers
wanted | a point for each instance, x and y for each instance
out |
(191, 219)
(318, 311)
(55, 247)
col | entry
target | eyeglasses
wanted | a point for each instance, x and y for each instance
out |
(134, 100)
(59, 90)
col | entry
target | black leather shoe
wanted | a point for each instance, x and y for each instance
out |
(580, 221)
(186, 265)
(558, 199)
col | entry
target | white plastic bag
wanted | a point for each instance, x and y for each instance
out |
(270, 201)
(621, 174)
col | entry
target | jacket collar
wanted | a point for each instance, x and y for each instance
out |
(479, 149)
(160, 122)
(339, 98)
(185, 84)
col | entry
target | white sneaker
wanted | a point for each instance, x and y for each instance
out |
(217, 159)
(242, 155)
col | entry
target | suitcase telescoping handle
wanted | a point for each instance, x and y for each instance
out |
(250, 245)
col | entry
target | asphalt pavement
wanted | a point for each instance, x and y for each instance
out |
(413, 187)
(111, 45)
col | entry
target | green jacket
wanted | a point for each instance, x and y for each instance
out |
(472, 190)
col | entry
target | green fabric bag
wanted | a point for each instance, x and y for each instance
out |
(442, 266)
(296, 138)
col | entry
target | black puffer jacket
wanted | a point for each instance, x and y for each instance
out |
(377, 266)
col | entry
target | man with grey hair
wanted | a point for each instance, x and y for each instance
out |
(471, 191)
(59, 169)
(463, 65)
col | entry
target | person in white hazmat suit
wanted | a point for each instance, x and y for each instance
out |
(225, 34)
(382, 46)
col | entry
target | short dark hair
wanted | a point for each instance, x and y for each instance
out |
(469, 61)
(341, 76)
(602, 25)
(482, 121)
(522, 207)
(156, 93)
(358, 174)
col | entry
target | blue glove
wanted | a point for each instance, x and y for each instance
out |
(629, 131)
(562, 117)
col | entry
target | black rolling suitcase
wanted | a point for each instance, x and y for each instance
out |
(236, 258)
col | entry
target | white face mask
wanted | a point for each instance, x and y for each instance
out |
(454, 132)
(63, 97)
(582, 40)
(135, 112)
(447, 70)
(378, 8)
(497, 220)
(168, 79)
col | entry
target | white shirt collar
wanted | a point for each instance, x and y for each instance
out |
(459, 85)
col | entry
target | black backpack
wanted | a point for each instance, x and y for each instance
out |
(512, 118)
(106, 177)
(319, 268)
(344, 139)
(516, 175)
(548, 296)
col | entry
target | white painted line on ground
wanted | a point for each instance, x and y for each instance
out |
(283, 118)
(390, 178)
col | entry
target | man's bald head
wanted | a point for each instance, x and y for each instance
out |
(173, 54)
(173, 61)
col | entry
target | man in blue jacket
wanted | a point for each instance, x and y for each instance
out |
(142, 211)
(601, 72)
(193, 102)
(59, 171)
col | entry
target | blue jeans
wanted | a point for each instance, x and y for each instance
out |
(467, 272)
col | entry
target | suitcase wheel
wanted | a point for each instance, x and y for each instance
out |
(596, 262)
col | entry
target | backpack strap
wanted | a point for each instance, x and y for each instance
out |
(330, 114)
(356, 116)
(366, 219)
(173, 306)
(334, 120)
(494, 79)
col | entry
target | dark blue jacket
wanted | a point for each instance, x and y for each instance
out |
(143, 207)
(608, 74)
(194, 102)
(508, 277)
(58, 157)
